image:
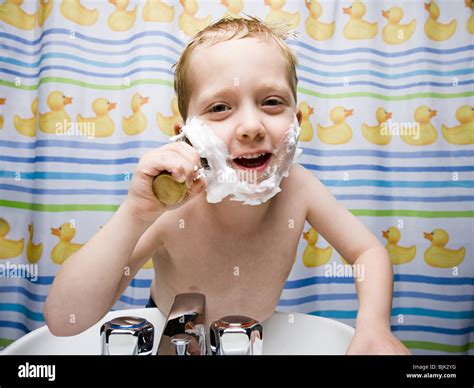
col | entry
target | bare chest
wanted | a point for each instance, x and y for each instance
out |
(240, 273)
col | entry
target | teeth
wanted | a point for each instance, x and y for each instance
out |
(251, 156)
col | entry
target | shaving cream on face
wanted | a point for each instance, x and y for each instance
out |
(223, 180)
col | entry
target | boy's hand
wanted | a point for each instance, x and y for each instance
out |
(375, 342)
(179, 159)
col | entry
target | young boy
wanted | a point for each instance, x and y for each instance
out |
(196, 246)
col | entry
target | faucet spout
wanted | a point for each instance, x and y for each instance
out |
(185, 331)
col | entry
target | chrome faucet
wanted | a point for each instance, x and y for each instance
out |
(185, 331)
(236, 335)
(127, 336)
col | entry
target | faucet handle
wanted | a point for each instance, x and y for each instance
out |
(127, 336)
(236, 335)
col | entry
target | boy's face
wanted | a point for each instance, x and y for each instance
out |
(240, 89)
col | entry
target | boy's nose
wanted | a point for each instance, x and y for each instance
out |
(250, 129)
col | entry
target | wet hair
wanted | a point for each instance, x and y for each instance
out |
(226, 29)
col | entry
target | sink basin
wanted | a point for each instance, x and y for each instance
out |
(283, 333)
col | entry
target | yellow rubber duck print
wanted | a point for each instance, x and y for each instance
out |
(398, 254)
(427, 132)
(435, 30)
(356, 27)
(137, 122)
(44, 11)
(2, 102)
(463, 133)
(314, 27)
(74, 11)
(12, 14)
(312, 255)
(277, 15)
(166, 123)
(27, 127)
(188, 23)
(33, 251)
(234, 7)
(394, 32)
(470, 21)
(64, 248)
(306, 133)
(102, 124)
(121, 19)
(340, 132)
(157, 11)
(437, 255)
(57, 119)
(9, 248)
(378, 134)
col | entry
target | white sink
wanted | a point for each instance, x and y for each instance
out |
(283, 333)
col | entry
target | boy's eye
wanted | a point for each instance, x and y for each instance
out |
(272, 102)
(218, 108)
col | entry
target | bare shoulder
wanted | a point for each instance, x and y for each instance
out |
(299, 172)
(292, 196)
(298, 181)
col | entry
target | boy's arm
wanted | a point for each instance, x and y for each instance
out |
(92, 279)
(147, 247)
(357, 245)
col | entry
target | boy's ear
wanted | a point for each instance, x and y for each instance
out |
(177, 128)
(299, 116)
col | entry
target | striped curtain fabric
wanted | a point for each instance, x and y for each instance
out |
(386, 92)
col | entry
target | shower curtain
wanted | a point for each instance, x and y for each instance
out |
(386, 93)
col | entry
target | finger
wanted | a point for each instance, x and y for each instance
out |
(191, 167)
(198, 186)
(187, 151)
(155, 163)
(183, 171)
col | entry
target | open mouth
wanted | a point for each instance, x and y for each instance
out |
(256, 161)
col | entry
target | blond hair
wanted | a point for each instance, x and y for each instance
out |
(223, 30)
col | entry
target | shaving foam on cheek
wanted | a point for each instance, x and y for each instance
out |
(223, 180)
